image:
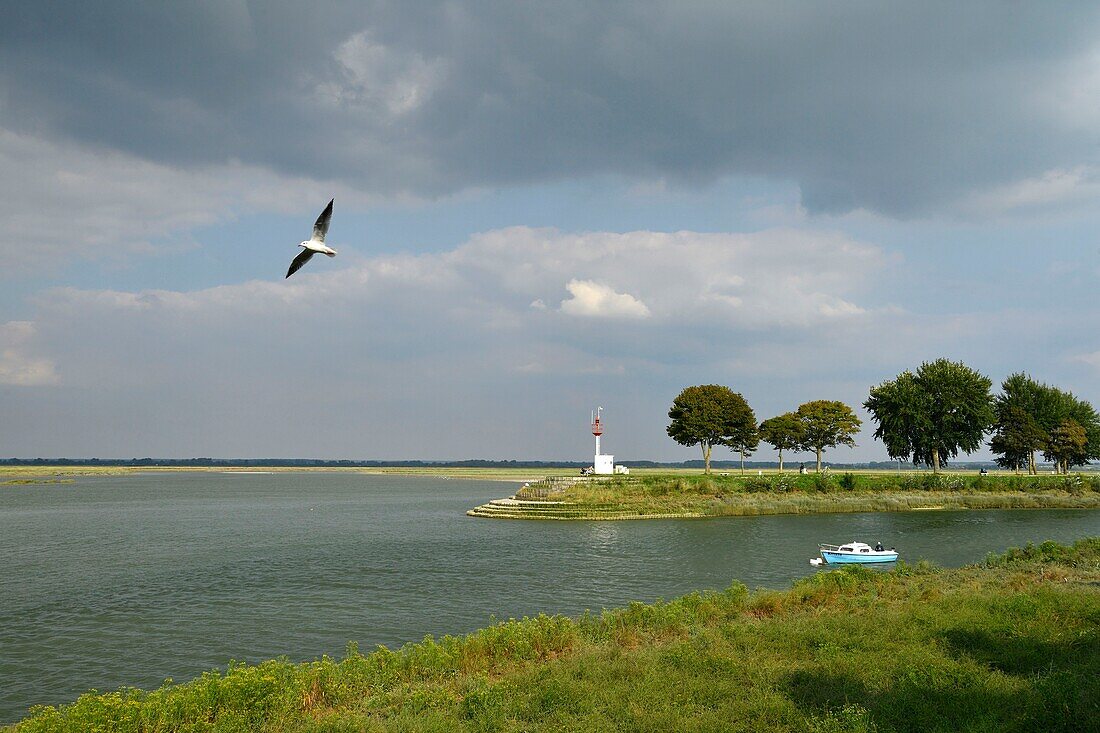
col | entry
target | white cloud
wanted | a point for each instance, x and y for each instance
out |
(838, 308)
(1069, 96)
(504, 278)
(777, 277)
(18, 366)
(590, 298)
(1092, 359)
(1056, 188)
(71, 202)
(376, 76)
(684, 291)
(419, 343)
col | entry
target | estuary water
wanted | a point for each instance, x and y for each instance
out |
(127, 580)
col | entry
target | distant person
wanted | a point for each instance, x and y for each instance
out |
(802, 468)
(878, 546)
(983, 472)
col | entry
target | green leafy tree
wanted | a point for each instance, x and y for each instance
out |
(1049, 407)
(782, 432)
(1022, 394)
(827, 424)
(745, 440)
(1068, 445)
(708, 415)
(934, 414)
(899, 409)
(1084, 414)
(1016, 439)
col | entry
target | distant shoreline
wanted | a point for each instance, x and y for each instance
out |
(27, 474)
(12, 473)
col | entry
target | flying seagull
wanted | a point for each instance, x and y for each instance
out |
(316, 243)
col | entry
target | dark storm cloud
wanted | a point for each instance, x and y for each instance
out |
(893, 107)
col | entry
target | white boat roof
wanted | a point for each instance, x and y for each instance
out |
(848, 547)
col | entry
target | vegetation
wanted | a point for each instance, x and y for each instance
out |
(783, 432)
(1011, 644)
(930, 416)
(1024, 406)
(685, 495)
(1068, 445)
(827, 424)
(1033, 417)
(710, 415)
(1017, 438)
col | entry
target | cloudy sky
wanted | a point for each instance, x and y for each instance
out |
(540, 208)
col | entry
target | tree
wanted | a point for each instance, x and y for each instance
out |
(1068, 445)
(827, 424)
(709, 415)
(1040, 402)
(782, 432)
(898, 407)
(1049, 408)
(1016, 439)
(1084, 414)
(744, 441)
(944, 408)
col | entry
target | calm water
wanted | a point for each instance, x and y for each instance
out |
(124, 581)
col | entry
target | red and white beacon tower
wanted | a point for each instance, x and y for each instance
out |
(602, 463)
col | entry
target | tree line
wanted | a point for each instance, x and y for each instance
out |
(928, 417)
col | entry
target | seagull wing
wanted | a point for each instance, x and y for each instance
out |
(320, 227)
(301, 259)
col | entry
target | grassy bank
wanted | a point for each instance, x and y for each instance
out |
(732, 495)
(1012, 644)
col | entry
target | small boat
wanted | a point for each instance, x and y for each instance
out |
(856, 552)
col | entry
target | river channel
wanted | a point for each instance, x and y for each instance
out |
(127, 580)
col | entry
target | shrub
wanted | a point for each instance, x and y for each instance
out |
(757, 484)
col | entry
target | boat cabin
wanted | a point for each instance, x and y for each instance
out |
(850, 547)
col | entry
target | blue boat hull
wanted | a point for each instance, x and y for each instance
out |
(834, 558)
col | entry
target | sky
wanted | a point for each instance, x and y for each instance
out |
(540, 208)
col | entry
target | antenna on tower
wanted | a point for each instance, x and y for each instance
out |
(602, 463)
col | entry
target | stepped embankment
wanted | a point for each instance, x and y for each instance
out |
(513, 508)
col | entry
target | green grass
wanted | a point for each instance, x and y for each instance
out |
(1012, 644)
(735, 495)
(652, 485)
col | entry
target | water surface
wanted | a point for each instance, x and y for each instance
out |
(126, 580)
